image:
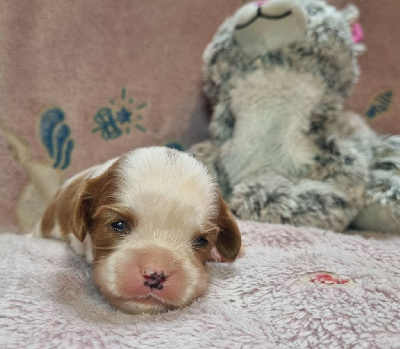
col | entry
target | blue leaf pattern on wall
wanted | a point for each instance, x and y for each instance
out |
(175, 145)
(380, 104)
(55, 136)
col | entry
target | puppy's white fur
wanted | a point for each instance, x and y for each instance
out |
(172, 216)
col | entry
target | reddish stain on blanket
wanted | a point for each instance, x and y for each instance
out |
(324, 278)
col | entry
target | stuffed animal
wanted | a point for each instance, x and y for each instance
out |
(282, 147)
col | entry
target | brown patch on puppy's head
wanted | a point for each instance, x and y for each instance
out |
(96, 193)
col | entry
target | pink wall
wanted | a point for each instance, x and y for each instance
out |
(80, 57)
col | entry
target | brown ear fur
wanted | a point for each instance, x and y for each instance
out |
(229, 239)
(80, 220)
(96, 192)
(74, 205)
(62, 208)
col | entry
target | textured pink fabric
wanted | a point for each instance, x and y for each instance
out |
(78, 56)
(267, 299)
(86, 55)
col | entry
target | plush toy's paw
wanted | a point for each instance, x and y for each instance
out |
(377, 217)
(394, 142)
(382, 212)
(264, 200)
(275, 199)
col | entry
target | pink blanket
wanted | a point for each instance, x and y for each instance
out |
(294, 288)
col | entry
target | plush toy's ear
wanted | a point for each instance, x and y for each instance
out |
(268, 25)
(351, 13)
(229, 239)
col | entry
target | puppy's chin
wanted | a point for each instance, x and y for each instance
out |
(149, 305)
(123, 279)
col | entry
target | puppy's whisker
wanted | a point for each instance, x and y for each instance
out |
(104, 248)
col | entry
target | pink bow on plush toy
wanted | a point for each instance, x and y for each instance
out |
(357, 32)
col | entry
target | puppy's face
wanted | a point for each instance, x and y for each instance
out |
(152, 228)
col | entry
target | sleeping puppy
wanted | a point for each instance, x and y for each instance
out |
(147, 221)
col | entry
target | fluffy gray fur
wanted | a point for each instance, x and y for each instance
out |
(302, 160)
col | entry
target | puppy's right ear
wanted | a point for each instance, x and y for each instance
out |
(67, 210)
(81, 217)
(95, 192)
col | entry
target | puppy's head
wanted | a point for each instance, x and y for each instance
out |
(153, 218)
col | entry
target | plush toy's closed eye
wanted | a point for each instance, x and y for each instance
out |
(259, 14)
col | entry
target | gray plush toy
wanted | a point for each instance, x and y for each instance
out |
(282, 148)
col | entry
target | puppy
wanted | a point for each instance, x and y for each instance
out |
(147, 222)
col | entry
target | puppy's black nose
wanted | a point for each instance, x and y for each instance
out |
(155, 280)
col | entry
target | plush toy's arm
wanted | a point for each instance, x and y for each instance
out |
(216, 74)
(329, 198)
(273, 198)
(222, 123)
(207, 153)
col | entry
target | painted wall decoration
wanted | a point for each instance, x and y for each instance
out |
(118, 118)
(43, 178)
(380, 104)
(174, 145)
(55, 136)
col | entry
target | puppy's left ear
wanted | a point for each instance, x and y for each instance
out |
(229, 239)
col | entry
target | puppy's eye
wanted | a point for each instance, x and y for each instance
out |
(200, 242)
(119, 226)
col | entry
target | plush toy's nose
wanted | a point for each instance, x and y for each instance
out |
(154, 279)
(261, 2)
